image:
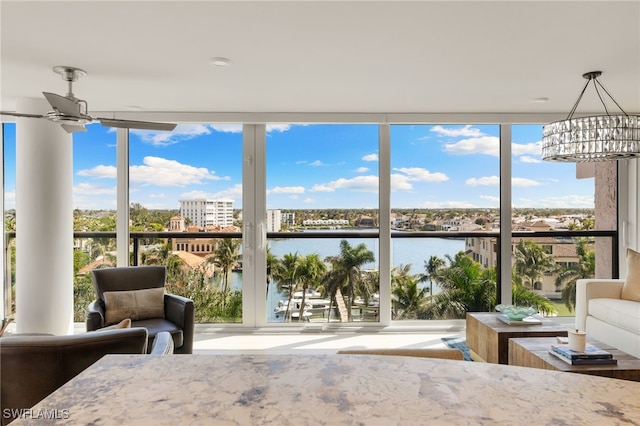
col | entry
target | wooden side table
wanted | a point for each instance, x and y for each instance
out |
(488, 337)
(534, 352)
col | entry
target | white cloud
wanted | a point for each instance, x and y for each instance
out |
(466, 131)
(195, 195)
(99, 172)
(159, 195)
(488, 145)
(309, 200)
(316, 163)
(180, 133)
(422, 175)
(286, 190)
(227, 128)
(450, 204)
(162, 172)
(370, 157)
(358, 184)
(527, 159)
(232, 193)
(490, 198)
(400, 183)
(483, 181)
(524, 182)
(574, 201)
(86, 188)
(526, 148)
(278, 127)
(362, 170)
(495, 181)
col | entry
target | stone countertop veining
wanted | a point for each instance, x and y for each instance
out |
(332, 390)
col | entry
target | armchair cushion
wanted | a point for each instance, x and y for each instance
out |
(125, 323)
(133, 304)
(631, 287)
(177, 317)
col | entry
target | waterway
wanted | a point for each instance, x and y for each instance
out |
(414, 251)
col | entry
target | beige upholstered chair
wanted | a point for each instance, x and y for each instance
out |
(137, 292)
(442, 353)
(34, 366)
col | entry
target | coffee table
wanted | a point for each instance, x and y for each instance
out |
(488, 337)
(534, 352)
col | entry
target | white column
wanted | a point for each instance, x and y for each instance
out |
(44, 224)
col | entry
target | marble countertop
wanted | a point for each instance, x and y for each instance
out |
(332, 390)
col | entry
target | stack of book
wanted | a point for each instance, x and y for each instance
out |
(591, 355)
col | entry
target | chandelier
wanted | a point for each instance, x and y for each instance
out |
(592, 138)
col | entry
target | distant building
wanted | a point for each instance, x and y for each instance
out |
(365, 222)
(204, 213)
(289, 219)
(274, 220)
(177, 224)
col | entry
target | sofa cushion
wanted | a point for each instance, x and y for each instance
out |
(134, 304)
(624, 314)
(631, 287)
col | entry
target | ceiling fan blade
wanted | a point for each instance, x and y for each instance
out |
(19, 114)
(70, 128)
(132, 124)
(63, 105)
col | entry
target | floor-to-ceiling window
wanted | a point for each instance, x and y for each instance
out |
(445, 183)
(185, 188)
(94, 214)
(325, 188)
(322, 198)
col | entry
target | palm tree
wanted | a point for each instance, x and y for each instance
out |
(466, 287)
(522, 296)
(432, 266)
(285, 273)
(407, 297)
(309, 272)
(586, 268)
(346, 270)
(272, 261)
(225, 257)
(532, 261)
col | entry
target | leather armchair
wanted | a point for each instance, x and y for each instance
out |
(35, 366)
(178, 318)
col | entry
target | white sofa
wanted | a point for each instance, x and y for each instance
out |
(605, 316)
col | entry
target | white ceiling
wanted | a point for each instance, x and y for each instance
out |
(324, 56)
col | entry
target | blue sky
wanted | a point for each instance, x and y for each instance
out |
(319, 166)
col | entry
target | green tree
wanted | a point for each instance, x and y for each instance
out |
(568, 275)
(347, 272)
(310, 271)
(432, 266)
(532, 261)
(226, 256)
(466, 287)
(408, 298)
(285, 272)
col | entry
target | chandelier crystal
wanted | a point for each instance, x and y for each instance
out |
(593, 138)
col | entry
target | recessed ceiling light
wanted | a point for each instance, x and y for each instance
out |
(539, 100)
(133, 108)
(219, 62)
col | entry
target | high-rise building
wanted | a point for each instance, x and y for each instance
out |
(204, 213)
(274, 220)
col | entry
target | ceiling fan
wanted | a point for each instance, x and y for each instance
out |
(71, 112)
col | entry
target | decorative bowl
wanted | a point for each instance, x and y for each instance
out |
(516, 313)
